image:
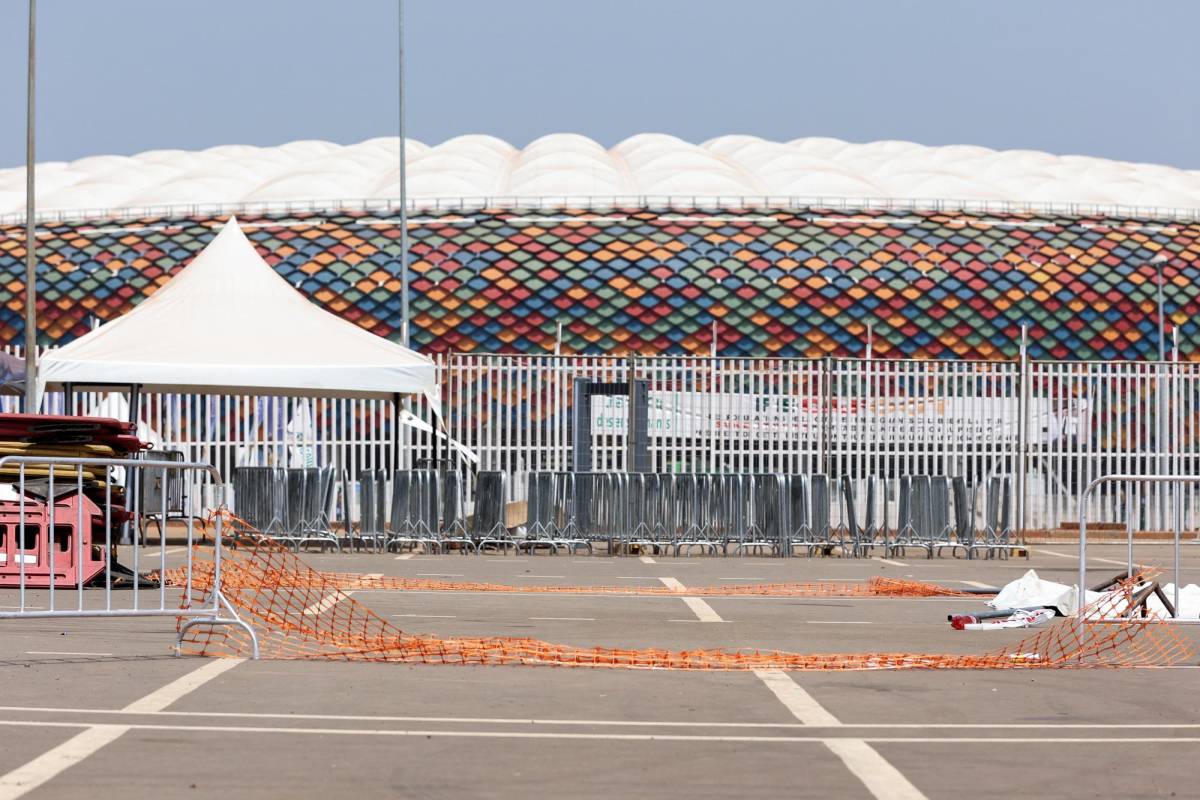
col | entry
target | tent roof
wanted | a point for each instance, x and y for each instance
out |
(228, 324)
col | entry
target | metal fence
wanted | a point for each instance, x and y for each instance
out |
(58, 537)
(1052, 427)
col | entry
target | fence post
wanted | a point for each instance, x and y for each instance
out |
(1023, 381)
(826, 412)
(632, 415)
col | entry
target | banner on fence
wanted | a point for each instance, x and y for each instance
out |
(969, 420)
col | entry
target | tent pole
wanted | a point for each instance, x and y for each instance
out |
(395, 431)
(69, 399)
(135, 399)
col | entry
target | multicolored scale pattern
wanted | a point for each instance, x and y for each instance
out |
(797, 282)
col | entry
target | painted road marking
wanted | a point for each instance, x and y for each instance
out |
(567, 619)
(647, 560)
(881, 779)
(891, 561)
(703, 611)
(627, 737)
(35, 773)
(977, 584)
(795, 699)
(325, 603)
(842, 726)
(405, 556)
(159, 699)
(1098, 560)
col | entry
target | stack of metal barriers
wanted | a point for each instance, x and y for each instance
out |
(288, 505)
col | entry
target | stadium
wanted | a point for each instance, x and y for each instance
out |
(785, 249)
(704, 466)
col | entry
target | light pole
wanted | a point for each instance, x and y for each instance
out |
(1158, 262)
(30, 235)
(403, 195)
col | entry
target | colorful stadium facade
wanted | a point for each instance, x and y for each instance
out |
(653, 273)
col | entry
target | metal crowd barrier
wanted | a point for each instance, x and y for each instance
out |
(64, 531)
(771, 513)
(288, 505)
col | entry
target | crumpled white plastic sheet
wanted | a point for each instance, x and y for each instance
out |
(1189, 601)
(1030, 590)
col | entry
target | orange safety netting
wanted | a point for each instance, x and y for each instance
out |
(300, 613)
(238, 578)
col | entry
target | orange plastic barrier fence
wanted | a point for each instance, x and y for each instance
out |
(300, 613)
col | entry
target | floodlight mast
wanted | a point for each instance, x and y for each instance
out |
(403, 194)
(30, 234)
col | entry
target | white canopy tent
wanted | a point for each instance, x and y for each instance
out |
(228, 324)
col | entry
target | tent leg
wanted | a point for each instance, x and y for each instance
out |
(135, 399)
(69, 399)
(396, 431)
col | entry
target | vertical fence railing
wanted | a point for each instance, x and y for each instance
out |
(1054, 426)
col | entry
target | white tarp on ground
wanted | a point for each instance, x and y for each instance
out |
(228, 324)
(1189, 601)
(1030, 591)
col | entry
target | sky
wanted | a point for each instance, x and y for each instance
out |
(1095, 77)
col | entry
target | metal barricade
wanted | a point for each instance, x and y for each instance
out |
(1175, 482)
(416, 504)
(697, 508)
(156, 483)
(288, 505)
(768, 525)
(940, 529)
(372, 514)
(964, 516)
(998, 530)
(65, 552)
(488, 521)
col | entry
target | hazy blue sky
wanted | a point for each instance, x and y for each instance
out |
(1096, 77)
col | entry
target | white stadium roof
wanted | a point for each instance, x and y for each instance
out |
(471, 170)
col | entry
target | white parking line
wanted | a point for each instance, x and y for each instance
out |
(886, 793)
(795, 699)
(377, 719)
(976, 584)
(325, 603)
(881, 779)
(891, 561)
(647, 560)
(33, 774)
(159, 699)
(405, 556)
(1075, 558)
(703, 611)
(38, 771)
